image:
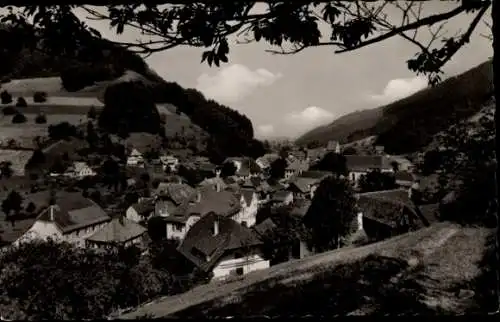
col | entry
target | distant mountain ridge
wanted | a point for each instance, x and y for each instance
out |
(409, 124)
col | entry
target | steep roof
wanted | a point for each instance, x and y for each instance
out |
(363, 163)
(297, 165)
(300, 208)
(177, 192)
(119, 230)
(387, 206)
(280, 196)
(404, 176)
(264, 226)
(207, 248)
(72, 212)
(145, 206)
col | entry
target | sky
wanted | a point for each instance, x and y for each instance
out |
(287, 95)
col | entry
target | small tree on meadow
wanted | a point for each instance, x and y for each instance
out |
(5, 97)
(40, 119)
(19, 118)
(21, 102)
(39, 97)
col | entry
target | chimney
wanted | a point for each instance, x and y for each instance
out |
(360, 221)
(217, 173)
(198, 196)
(217, 186)
(51, 212)
(216, 228)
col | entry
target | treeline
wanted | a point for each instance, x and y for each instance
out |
(89, 63)
(231, 131)
(411, 123)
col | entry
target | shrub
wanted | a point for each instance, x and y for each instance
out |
(19, 118)
(40, 97)
(9, 110)
(21, 102)
(6, 97)
(40, 119)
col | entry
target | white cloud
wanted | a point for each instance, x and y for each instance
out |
(308, 118)
(234, 82)
(400, 88)
(265, 130)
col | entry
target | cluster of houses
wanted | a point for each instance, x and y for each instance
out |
(215, 221)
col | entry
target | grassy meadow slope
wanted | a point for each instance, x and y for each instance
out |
(410, 123)
(425, 271)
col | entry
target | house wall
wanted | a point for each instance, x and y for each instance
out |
(132, 214)
(174, 233)
(248, 213)
(43, 230)
(228, 264)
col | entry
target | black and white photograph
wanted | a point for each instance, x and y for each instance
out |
(248, 159)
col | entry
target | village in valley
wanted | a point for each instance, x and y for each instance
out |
(118, 201)
(126, 195)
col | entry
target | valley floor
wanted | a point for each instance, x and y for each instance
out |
(434, 270)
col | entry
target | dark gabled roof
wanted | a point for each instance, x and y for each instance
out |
(387, 207)
(430, 212)
(144, 207)
(224, 203)
(300, 208)
(119, 230)
(72, 212)
(281, 195)
(265, 226)
(364, 163)
(200, 240)
(177, 192)
(252, 182)
(404, 176)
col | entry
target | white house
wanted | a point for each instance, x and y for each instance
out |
(80, 170)
(135, 159)
(220, 245)
(72, 218)
(169, 162)
(140, 211)
(249, 201)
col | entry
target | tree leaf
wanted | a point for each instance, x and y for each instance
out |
(223, 58)
(210, 58)
(204, 56)
(216, 60)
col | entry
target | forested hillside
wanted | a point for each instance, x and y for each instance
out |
(231, 132)
(410, 123)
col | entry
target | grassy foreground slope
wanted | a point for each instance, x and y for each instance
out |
(410, 123)
(435, 269)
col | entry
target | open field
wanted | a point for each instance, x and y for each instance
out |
(25, 133)
(422, 271)
(51, 85)
(17, 158)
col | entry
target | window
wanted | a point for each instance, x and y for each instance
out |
(239, 271)
(238, 255)
(244, 223)
(178, 227)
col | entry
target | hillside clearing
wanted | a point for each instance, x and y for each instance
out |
(425, 249)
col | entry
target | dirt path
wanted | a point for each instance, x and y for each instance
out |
(426, 247)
